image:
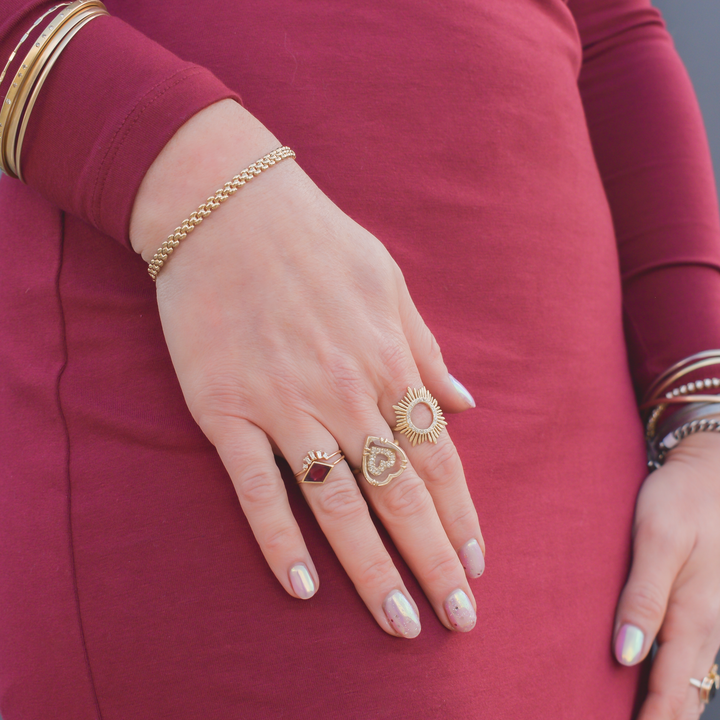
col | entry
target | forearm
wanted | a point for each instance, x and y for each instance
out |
(652, 153)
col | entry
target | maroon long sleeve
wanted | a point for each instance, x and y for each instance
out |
(110, 104)
(115, 98)
(652, 151)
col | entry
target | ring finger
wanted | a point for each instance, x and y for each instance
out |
(408, 512)
(343, 516)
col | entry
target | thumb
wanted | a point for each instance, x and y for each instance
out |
(657, 559)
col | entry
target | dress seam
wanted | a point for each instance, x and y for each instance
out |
(66, 431)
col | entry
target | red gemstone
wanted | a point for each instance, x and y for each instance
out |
(317, 472)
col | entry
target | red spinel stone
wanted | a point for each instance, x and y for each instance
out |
(317, 472)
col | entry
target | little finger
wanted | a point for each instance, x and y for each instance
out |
(246, 453)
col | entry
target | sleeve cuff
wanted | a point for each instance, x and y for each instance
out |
(111, 103)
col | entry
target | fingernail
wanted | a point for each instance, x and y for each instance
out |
(472, 558)
(460, 611)
(401, 614)
(462, 390)
(301, 581)
(629, 644)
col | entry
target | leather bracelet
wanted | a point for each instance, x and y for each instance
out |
(688, 421)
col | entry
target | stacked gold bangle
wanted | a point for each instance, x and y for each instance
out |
(697, 403)
(32, 73)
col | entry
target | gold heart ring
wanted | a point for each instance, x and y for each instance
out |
(382, 461)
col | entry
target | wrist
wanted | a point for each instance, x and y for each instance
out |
(699, 445)
(204, 153)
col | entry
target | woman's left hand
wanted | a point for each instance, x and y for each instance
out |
(673, 591)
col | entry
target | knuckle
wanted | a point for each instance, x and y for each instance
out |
(340, 500)
(440, 568)
(465, 520)
(429, 345)
(350, 385)
(442, 463)
(660, 536)
(648, 602)
(407, 499)
(377, 571)
(397, 367)
(280, 540)
(255, 488)
(213, 399)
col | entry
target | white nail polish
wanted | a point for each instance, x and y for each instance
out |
(302, 581)
(462, 390)
(460, 611)
(401, 615)
(472, 558)
(629, 644)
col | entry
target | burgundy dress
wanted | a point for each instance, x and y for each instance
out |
(540, 173)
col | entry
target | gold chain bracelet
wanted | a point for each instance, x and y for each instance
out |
(213, 202)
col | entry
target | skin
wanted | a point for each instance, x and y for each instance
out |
(266, 361)
(262, 373)
(673, 591)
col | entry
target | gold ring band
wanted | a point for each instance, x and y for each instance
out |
(382, 461)
(405, 424)
(317, 466)
(708, 686)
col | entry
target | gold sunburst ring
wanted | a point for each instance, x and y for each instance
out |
(403, 419)
(317, 465)
(382, 461)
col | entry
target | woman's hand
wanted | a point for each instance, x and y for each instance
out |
(290, 327)
(674, 586)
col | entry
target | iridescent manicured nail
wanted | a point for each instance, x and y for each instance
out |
(629, 644)
(460, 611)
(462, 390)
(472, 558)
(401, 614)
(302, 581)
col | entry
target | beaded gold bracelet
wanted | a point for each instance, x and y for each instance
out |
(27, 35)
(213, 202)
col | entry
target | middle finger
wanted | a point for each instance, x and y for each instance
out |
(408, 512)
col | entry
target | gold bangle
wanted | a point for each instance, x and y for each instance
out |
(656, 400)
(679, 369)
(213, 202)
(29, 69)
(82, 19)
(27, 35)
